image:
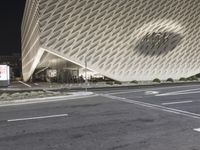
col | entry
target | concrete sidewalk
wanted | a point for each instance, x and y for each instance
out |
(70, 96)
(18, 87)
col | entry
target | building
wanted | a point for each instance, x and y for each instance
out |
(124, 40)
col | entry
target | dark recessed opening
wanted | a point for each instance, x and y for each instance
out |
(158, 43)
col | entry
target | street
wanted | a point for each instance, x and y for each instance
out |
(154, 118)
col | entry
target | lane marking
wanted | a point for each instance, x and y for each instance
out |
(191, 91)
(37, 118)
(147, 89)
(173, 94)
(198, 129)
(154, 106)
(151, 92)
(185, 90)
(173, 103)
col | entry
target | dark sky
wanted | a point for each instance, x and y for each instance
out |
(11, 12)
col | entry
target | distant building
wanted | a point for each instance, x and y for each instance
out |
(14, 62)
(124, 40)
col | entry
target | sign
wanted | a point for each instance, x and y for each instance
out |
(52, 73)
(4, 73)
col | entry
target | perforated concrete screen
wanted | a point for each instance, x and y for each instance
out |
(122, 39)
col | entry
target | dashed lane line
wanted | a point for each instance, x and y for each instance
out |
(36, 118)
(197, 129)
(174, 103)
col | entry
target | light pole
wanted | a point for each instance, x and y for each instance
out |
(86, 73)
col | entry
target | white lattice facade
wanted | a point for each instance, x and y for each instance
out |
(122, 39)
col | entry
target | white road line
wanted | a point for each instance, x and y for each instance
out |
(173, 103)
(190, 91)
(151, 92)
(154, 106)
(147, 89)
(24, 83)
(182, 91)
(173, 94)
(198, 129)
(36, 118)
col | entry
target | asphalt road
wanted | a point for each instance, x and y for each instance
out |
(162, 118)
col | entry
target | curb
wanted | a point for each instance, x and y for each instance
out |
(136, 86)
(100, 87)
(75, 95)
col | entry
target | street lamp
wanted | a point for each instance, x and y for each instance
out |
(86, 73)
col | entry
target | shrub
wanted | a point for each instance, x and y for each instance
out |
(157, 80)
(109, 82)
(197, 75)
(192, 78)
(33, 93)
(4, 96)
(134, 81)
(25, 94)
(195, 78)
(170, 80)
(182, 79)
(117, 82)
(94, 80)
(15, 95)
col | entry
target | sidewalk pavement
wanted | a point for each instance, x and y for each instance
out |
(70, 96)
(18, 87)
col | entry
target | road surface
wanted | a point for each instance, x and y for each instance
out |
(156, 118)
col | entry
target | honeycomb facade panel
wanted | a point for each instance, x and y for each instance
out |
(122, 39)
(30, 35)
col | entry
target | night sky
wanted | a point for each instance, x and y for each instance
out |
(11, 12)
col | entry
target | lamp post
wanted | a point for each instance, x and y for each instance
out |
(86, 73)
